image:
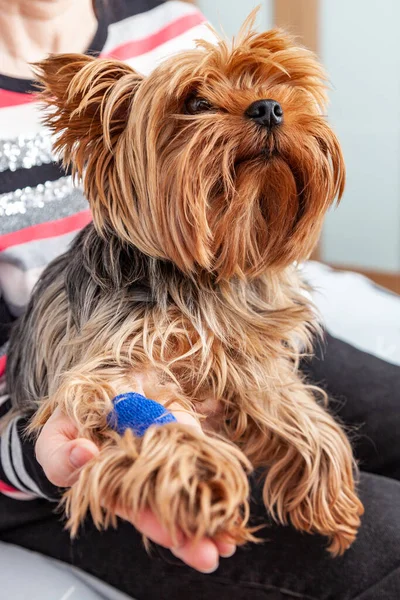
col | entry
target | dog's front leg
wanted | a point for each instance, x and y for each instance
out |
(310, 478)
(196, 485)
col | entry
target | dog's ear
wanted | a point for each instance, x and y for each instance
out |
(89, 102)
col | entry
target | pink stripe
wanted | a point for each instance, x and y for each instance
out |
(46, 230)
(167, 33)
(4, 487)
(3, 362)
(8, 98)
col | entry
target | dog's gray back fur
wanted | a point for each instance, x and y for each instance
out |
(95, 270)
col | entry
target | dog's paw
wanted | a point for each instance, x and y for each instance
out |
(343, 538)
(323, 505)
(195, 485)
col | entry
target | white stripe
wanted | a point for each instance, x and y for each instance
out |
(36, 253)
(18, 284)
(24, 117)
(18, 462)
(6, 459)
(146, 24)
(146, 63)
(4, 399)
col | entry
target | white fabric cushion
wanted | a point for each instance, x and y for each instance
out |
(356, 310)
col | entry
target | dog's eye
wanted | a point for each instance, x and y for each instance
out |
(195, 105)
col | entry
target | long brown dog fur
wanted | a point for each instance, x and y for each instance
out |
(185, 284)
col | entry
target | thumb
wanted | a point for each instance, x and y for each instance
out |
(60, 453)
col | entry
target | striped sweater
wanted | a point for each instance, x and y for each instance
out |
(40, 209)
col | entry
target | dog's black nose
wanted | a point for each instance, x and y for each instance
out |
(268, 113)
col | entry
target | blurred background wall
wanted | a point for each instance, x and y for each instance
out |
(358, 42)
(230, 14)
(360, 47)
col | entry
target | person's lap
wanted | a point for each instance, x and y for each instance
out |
(288, 564)
(364, 391)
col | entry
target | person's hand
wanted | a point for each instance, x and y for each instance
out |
(62, 454)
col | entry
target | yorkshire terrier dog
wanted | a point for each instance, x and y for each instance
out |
(208, 180)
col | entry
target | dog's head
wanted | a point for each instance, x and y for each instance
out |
(221, 160)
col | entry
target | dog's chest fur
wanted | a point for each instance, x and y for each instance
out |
(228, 345)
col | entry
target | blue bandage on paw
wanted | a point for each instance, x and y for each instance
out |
(136, 412)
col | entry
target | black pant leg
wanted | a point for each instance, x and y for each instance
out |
(288, 565)
(364, 392)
